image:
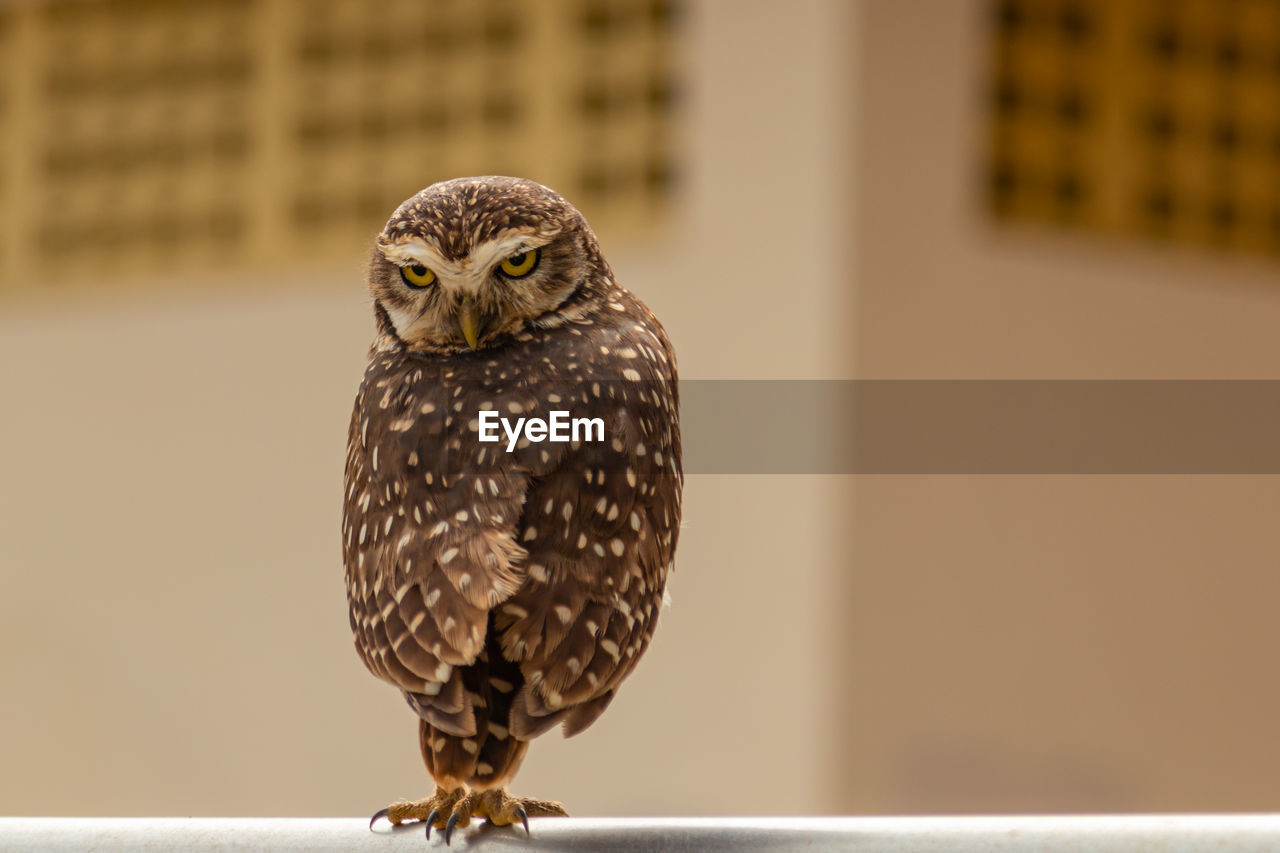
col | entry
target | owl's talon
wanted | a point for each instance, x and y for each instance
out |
(448, 827)
(428, 810)
(524, 819)
(501, 809)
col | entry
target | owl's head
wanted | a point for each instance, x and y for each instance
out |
(467, 261)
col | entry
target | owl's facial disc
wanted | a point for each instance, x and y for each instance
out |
(437, 301)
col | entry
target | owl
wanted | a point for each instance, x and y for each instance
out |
(513, 483)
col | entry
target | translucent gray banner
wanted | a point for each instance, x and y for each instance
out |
(981, 427)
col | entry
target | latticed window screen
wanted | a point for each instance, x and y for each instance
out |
(1151, 118)
(146, 136)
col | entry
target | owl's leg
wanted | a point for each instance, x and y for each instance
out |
(500, 757)
(435, 810)
(443, 757)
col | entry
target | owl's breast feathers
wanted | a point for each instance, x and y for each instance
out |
(554, 555)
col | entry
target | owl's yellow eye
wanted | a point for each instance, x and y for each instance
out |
(417, 275)
(518, 266)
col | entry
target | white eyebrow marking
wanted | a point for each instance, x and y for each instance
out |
(411, 250)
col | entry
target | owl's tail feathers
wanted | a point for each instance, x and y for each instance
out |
(449, 710)
(584, 715)
(531, 717)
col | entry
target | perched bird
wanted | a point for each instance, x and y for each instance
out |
(506, 586)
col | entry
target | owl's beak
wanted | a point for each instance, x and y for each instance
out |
(469, 322)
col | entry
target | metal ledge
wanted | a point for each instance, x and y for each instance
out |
(1069, 834)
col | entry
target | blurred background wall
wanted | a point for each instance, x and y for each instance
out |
(817, 189)
(181, 350)
(1063, 643)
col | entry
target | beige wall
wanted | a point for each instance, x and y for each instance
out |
(1033, 643)
(173, 636)
(172, 631)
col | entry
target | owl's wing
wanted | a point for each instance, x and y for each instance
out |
(429, 553)
(600, 533)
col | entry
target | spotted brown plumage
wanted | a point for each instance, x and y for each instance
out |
(505, 592)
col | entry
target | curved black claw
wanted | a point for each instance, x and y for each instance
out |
(431, 819)
(524, 818)
(379, 813)
(448, 827)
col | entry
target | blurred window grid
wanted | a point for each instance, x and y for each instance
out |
(1156, 119)
(148, 136)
